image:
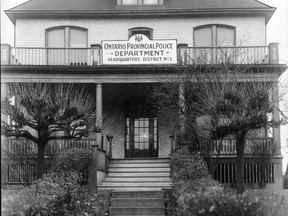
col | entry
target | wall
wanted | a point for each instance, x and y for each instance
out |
(31, 32)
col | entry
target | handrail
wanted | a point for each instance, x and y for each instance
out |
(227, 146)
(27, 147)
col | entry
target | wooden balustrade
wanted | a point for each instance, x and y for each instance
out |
(256, 169)
(52, 56)
(227, 55)
(186, 55)
(22, 168)
(27, 147)
(253, 146)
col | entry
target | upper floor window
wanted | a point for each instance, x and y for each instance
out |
(66, 36)
(214, 35)
(139, 2)
(148, 32)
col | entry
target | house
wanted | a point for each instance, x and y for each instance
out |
(116, 48)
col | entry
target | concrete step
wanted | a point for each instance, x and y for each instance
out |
(138, 194)
(129, 161)
(146, 169)
(132, 188)
(136, 184)
(140, 215)
(143, 174)
(136, 202)
(137, 210)
(138, 179)
(121, 165)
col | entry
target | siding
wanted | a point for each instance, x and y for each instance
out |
(250, 31)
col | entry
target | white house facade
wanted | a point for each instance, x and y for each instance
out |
(70, 41)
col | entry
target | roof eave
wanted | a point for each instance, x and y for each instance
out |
(13, 15)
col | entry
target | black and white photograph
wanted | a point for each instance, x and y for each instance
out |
(144, 107)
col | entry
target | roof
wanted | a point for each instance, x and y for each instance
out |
(109, 7)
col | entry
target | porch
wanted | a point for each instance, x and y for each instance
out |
(262, 167)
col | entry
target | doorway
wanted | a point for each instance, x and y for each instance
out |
(141, 137)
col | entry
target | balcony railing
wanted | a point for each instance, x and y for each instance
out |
(186, 55)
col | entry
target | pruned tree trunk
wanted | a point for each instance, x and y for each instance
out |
(240, 146)
(41, 160)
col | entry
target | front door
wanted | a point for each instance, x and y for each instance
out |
(141, 137)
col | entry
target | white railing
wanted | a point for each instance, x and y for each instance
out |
(186, 55)
(226, 55)
(51, 56)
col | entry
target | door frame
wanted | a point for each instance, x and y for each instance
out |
(153, 137)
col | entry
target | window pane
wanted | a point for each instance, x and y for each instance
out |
(150, 2)
(78, 38)
(225, 36)
(203, 37)
(129, 2)
(55, 38)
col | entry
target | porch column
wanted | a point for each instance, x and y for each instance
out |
(276, 117)
(99, 114)
(99, 105)
(4, 90)
(277, 139)
(4, 94)
(4, 160)
(182, 107)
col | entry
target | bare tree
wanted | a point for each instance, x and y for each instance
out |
(217, 101)
(44, 112)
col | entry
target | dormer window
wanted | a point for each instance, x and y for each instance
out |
(139, 2)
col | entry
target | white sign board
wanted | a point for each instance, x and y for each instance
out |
(139, 50)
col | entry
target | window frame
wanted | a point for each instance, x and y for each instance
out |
(213, 28)
(150, 30)
(66, 34)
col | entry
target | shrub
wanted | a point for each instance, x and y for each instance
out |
(74, 160)
(227, 204)
(189, 173)
(186, 166)
(56, 194)
(170, 202)
(60, 192)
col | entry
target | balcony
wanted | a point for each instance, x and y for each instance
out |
(186, 55)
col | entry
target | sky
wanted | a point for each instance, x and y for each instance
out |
(276, 31)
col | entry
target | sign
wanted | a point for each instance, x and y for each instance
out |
(139, 50)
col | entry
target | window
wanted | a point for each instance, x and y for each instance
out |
(73, 37)
(141, 30)
(214, 35)
(73, 40)
(139, 2)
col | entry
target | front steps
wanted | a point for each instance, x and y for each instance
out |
(136, 186)
(137, 175)
(137, 203)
